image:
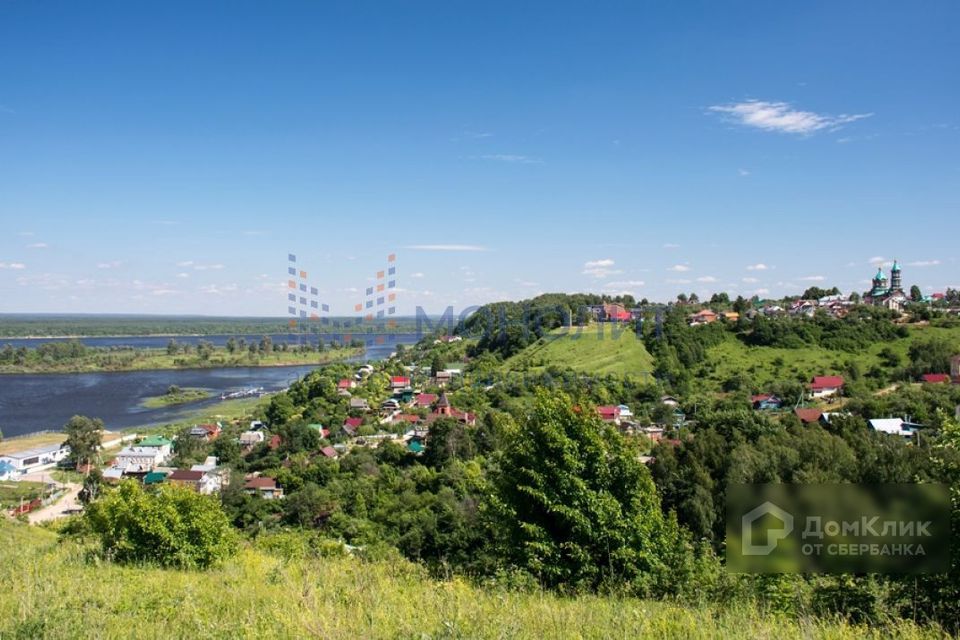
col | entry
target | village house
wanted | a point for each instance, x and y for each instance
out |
(653, 432)
(445, 409)
(730, 316)
(826, 386)
(955, 369)
(613, 312)
(329, 452)
(424, 400)
(399, 382)
(706, 316)
(359, 404)
(206, 432)
(935, 378)
(766, 402)
(808, 415)
(346, 384)
(266, 488)
(895, 427)
(250, 439)
(134, 460)
(163, 445)
(200, 481)
(351, 426)
(35, 459)
(609, 413)
(442, 379)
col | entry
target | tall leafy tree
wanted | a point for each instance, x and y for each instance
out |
(579, 509)
(84, 436)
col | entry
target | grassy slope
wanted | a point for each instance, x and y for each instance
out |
(802, 364)
(599, 349)
(55, 590)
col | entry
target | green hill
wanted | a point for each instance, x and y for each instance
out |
(770, 364)
(61, 590)
(598, 349)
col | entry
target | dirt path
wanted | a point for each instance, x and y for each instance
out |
(59, 509)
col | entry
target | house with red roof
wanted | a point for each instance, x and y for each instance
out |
(935, 378)
(266, 488)
(826, 386)
(351, 425)
(808, 416)
(609, 413)
(445, 409)
(346, 384)
(206, 432)
(705, 316)
(329, 452)
(399, 382)
(613, 312)
(424, 400)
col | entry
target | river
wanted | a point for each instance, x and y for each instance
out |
(38, 402)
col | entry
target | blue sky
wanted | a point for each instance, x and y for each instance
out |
(166, 157)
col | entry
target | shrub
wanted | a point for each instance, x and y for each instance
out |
(173, 526)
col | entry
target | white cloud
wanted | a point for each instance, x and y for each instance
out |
(16, 266)
(183, 275)
(25, 234)
(812, 279)
(446, 247)
(109, 265)
(706, 279)
(680, 268)
(880, 261)
(38, 245)
(600, 268)
(678, 281)
(165, 292)
(185, 263)
(757, 267)
(783, 118)
(761, 292)
(751, 280)
(621, 284)
(418, 274)
(743, 173)
(671, 245)
(924, 263)
(512, 158)
(206, 267)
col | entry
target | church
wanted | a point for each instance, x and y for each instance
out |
(884, 294)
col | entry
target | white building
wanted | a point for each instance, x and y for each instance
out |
(138, 459)
(894, 427)
(36, 459)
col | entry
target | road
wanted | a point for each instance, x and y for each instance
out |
(59, 509)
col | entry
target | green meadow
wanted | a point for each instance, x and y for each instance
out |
(597, 348)
(60, 589)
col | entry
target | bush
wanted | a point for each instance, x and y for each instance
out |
(173, 526)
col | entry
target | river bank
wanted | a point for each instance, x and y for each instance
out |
(108, 360)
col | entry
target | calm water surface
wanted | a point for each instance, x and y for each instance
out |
(30, 403)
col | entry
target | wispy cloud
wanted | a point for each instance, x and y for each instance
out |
(417, 274)
(757, 267)
(782, 117)
(109, 265)
(706, 279)
(751, 280)
(924, 263)
(622, 284)
(600, 268)
(511, 158)
(38, 245)
(678, 281)
(679, 268)
(812, 279)
(743, 173)
(446, 247)
(16, 266)
(671, 245)
(199, 266)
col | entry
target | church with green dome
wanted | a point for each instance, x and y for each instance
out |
(887, 293)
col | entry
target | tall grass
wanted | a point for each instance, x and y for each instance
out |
(53, 589)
